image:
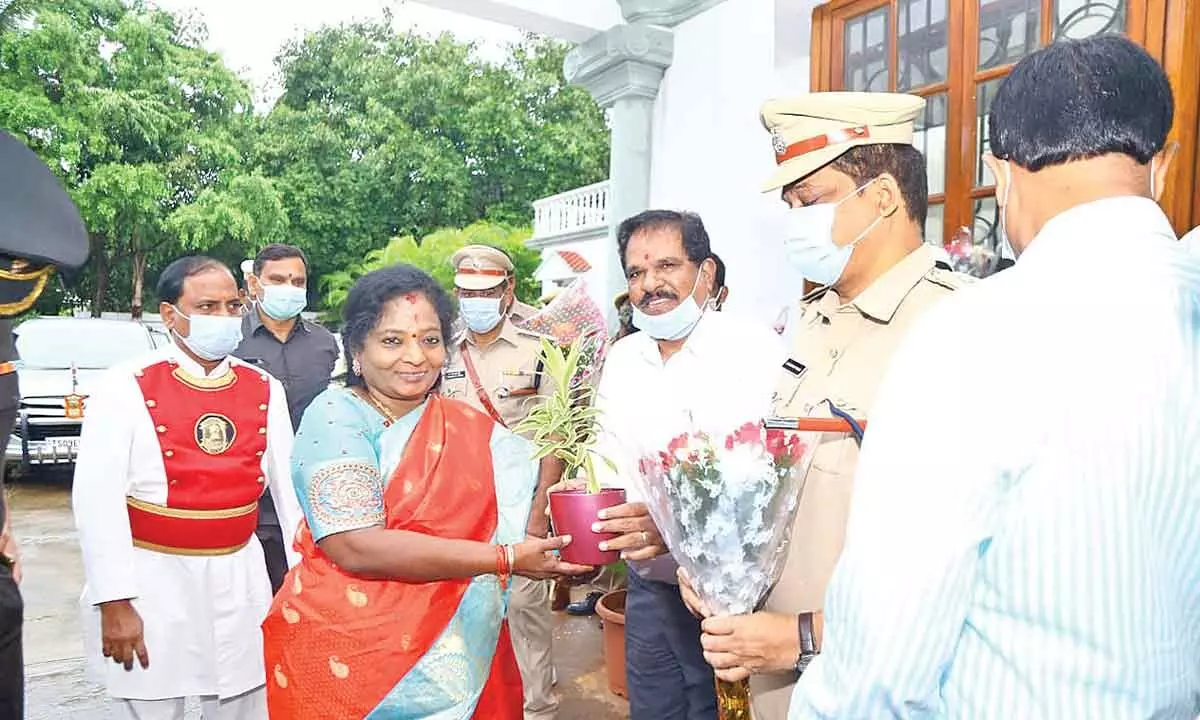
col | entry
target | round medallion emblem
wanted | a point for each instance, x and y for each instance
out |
(214, 433)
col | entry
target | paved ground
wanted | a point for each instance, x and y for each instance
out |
(58, 688)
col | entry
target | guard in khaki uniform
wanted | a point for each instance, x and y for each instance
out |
(498, 369)
(857, 189)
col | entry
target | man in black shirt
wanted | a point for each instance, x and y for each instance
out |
(298, 353)
(40, 229)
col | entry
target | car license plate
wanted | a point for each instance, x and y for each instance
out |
(64, 445)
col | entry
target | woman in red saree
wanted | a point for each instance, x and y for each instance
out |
(415, 509)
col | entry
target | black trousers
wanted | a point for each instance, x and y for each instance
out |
(270, 536)
(12, 665)
(666, 674)
(12, 613)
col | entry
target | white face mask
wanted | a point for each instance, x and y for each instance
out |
(809, 245)
(211, 337)
(481, 314)
(283, 302)
(675, 323)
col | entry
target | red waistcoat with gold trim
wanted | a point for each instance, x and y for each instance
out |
(213, 434)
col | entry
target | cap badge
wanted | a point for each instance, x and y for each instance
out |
(777, 142)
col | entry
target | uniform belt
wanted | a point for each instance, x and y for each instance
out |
(180, 531)
(7, 368)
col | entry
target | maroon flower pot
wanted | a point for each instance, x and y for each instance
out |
(573, 512)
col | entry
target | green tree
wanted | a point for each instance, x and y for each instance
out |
(432, 254)
(380, 134)
(138, 119)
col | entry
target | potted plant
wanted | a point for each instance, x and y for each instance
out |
(566, 426)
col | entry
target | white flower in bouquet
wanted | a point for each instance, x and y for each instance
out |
(725, 508)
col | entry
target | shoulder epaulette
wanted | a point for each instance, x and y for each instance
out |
(949, 279)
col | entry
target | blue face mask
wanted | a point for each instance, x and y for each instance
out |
(809, 243)
(283, 302)
(211, 337)
(675, 323)
(481, 314)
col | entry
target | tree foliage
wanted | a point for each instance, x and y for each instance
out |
(378, 135)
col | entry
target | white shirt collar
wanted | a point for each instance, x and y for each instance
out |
(705, 331)
(1079, 228)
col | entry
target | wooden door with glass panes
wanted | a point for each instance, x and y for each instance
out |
(956, 53)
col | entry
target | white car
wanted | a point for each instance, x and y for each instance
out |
(58, 359)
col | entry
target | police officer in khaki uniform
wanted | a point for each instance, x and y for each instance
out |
(857, 189)
(498, 369)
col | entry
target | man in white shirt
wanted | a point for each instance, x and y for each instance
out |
(176, 450)
(1034, 552)
(689, 367)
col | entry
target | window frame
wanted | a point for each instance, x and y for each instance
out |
(1168, 29)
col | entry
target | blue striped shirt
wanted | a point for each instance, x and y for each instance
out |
(1024, 537)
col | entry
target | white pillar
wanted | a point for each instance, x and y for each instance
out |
(622, 68)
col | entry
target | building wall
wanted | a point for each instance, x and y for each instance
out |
(592, 249)
(710, 153)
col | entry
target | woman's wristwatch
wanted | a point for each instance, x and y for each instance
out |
(809, 644)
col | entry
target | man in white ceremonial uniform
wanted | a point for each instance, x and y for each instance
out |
(175, 453)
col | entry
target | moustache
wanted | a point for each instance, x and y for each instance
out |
(656, 295)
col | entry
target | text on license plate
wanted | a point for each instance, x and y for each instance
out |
(64, 444)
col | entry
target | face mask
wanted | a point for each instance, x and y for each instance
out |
(211, 337)
(283, 302)
(809, 243)
(481, 314)
(674, 323)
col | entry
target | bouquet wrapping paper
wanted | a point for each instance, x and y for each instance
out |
(725, 504)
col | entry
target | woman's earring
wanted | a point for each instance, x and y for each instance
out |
(356, 367)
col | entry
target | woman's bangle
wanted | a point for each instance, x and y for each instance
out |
(503, 565)
(512, 558)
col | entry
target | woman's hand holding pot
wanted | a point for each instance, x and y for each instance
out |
(535, 559)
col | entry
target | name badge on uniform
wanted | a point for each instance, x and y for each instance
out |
(455, 374)
(795, 368)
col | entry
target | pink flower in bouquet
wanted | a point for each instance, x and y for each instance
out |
(565, 332)
(776, 443)
(677, 444)
(748, 434)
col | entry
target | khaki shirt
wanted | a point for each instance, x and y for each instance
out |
(508, 370)
(845, 348)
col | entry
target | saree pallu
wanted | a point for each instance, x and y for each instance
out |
(344, 647)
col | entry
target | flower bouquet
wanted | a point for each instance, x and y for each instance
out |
(973, 258)
(725, 505)
(572, 316)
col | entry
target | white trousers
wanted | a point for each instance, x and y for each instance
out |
(248, 706)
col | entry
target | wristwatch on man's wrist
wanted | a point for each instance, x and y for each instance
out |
(808, 642)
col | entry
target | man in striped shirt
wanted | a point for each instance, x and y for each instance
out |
(1035, 552)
